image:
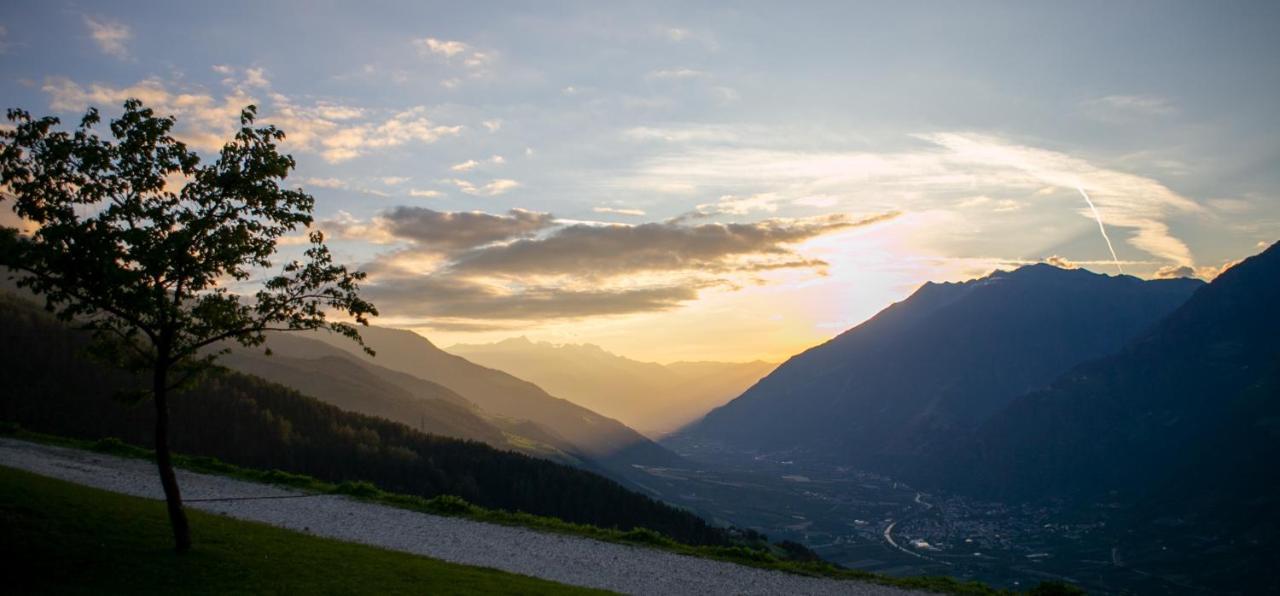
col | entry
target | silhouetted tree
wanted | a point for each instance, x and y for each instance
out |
(111, 244)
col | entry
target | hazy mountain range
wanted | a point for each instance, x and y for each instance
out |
(650, 397)
(941, 361)
(523, 411)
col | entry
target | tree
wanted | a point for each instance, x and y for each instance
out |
(149, 269)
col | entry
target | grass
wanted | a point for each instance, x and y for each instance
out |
(449, 505)
(68, 539)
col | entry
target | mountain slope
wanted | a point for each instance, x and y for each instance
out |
(1178, 435)
(651, 397)
(51, 386)
(332, 376)
(940, 361)
(597, 437)
(1206, 374)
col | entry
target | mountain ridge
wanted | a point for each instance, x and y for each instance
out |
(654, 398)
(602, 439)
(940, 361)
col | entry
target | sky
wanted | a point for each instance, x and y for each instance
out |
(707, 181)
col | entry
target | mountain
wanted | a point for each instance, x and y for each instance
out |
(563, 423)
(334, 377)
(940, 362)
(341, 378)
(1179, 432)
(1206, 374)
(51, 386)
(653, 398)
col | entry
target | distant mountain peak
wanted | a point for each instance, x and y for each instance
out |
(1048, 271)
(517, 341)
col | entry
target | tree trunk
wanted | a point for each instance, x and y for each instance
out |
(172, 497)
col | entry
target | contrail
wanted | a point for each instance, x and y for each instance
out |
(1102, 229)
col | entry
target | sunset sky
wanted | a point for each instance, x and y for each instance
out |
(715, 181)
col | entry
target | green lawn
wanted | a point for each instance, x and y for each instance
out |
(64, 538)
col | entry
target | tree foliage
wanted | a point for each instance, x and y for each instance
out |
(150, 268)
(138, 241)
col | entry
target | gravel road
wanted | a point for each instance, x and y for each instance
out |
(565, 559)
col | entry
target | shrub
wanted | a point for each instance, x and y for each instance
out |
(449, 505)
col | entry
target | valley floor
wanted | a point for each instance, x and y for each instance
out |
(565, 559)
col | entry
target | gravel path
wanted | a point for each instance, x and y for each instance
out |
(565, 559)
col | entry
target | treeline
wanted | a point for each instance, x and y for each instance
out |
(52, 386)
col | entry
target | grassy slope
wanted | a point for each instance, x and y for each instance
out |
(452, 506)
(64, 538)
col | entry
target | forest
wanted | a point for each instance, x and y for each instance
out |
(55, 386)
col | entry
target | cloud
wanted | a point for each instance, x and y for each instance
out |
(735, 205)
(1061, 262)
(476, 267)
(351, 141)
(443, 231)
(492, 188)
(1232, 206)
(1124, 200)
(394, 180)
(616, 211)
(685, 35)
(425, 193)
(677, 73)
(677, 33)
(432, 297)
(1139, 105)
(465, 166)
(111, 36)
(996, 205)
(492, 125)
(702, 134)
(325, 182)
(1174, 271)
(256, 77)
(345, 226)
(950, 161)
(475, 61)
(431, 45)
(1206, 272)
(206, 121)
(478, 60)
(660, 246)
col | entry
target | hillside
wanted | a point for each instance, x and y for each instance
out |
(1180, 429)
(336, 377)
(597, 437)
(653, 398)
(52, 527)
(346, 383)
(941, 361)
(52, 387)
(1118, 423)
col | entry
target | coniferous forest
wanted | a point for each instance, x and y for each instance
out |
(53, 386)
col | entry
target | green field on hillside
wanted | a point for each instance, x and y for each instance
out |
(63, 538)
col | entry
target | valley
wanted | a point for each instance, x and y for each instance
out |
(863, 520)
